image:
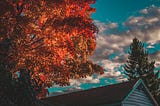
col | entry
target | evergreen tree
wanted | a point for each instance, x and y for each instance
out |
(138, 66)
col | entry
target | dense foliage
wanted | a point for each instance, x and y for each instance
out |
(53, 38)
(21, 91)
(138, 66)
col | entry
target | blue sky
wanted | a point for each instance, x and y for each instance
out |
(119, 21)
(120, 10)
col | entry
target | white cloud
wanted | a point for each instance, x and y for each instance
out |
(105, 26)
(110, 74)
(144, 11)
(134, 20)
(153, 20)
(150, 47)
(157, 64)
(64, 90)
(121, 79)
(146, 27)
(101, 26)
(78, 82)
(113, 25)
(109, 65)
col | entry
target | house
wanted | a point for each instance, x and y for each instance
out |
(132, 93)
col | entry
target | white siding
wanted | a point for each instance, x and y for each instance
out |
(139, 97)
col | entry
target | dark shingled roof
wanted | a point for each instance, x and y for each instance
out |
(96, 96)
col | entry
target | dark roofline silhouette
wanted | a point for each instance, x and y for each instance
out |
(109, 94)
(106, 94)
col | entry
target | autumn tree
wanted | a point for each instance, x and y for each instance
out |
(53, 38)
(138, 66)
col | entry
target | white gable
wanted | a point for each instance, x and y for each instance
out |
(139, 96)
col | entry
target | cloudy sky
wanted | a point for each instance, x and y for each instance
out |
(119, 21)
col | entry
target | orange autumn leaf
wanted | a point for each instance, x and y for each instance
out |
(53, 37)
(42, 77)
